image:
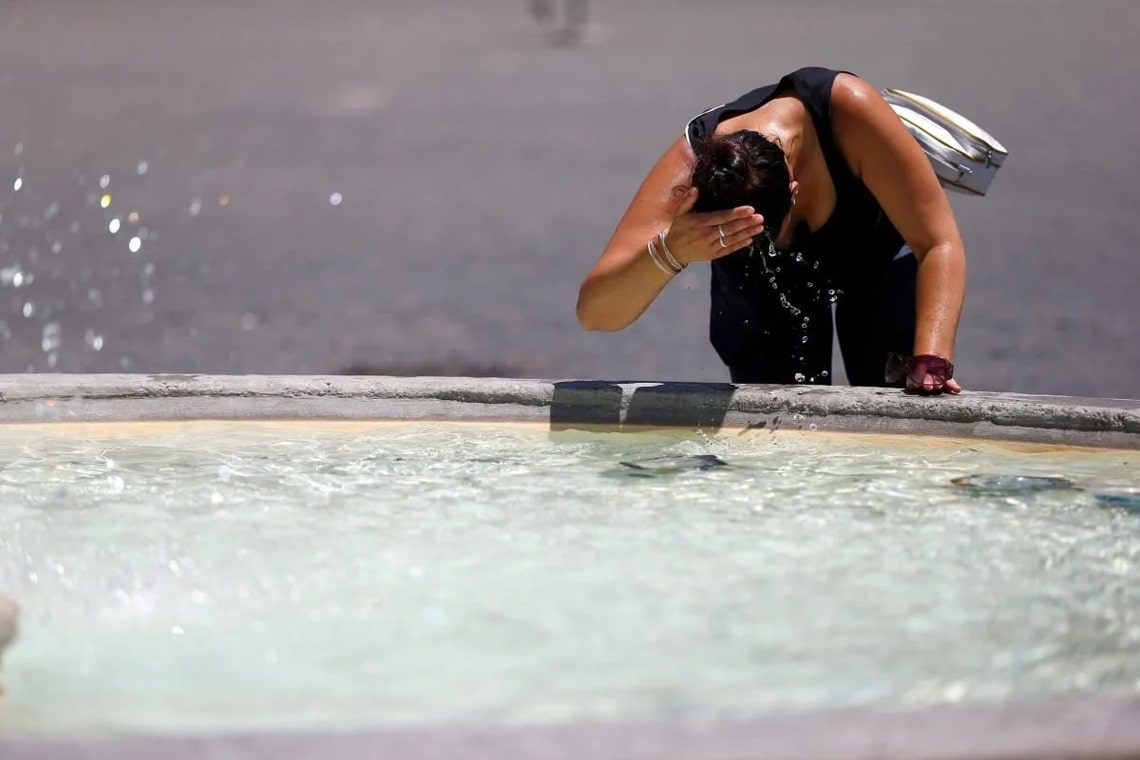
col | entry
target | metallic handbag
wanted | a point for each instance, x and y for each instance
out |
(964, 156)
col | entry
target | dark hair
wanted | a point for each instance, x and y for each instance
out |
(743, 169)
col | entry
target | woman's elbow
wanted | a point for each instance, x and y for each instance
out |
(594, 319)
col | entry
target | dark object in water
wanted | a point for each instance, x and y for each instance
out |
(676, 463)
(1011, 484)
(1128, 501)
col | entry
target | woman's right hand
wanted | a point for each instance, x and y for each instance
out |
(704, 236)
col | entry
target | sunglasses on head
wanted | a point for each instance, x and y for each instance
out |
(915, 369)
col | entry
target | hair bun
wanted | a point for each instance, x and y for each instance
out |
(742, 169)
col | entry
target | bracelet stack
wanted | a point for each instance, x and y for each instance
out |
(664, 259)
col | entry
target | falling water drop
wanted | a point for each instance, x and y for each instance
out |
(113, 226)
(135, 244)
(800, 377)
(93, 340)
(29, 309)
(142, 167)
(335, 199)
(18, 184)
(195, 207)
(148, 296)
(105, 181)
(105, 200)
(49, 341)
(12, 276)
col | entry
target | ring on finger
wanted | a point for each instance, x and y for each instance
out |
(720, 232)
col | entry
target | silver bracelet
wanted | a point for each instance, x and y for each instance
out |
(657, 260)
(669, 257)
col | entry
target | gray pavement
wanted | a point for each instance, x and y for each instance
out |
(479, 172)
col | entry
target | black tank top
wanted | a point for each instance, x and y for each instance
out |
(858, 234)
(856, 242)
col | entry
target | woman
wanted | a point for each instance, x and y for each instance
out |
(801, 194)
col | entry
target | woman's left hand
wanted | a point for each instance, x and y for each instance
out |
(931, 384)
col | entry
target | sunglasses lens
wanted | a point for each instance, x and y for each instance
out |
(935, 366)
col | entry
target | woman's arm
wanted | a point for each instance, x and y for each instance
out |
(625, 280)
(888, 159)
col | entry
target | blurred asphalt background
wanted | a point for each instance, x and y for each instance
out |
(479, 172)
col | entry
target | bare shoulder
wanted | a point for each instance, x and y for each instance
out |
(864, 124)
(851, 95)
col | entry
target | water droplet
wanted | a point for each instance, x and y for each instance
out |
(105, 201)
(12, 276)
(195, 207)
(148, 268)
(815, 265)
(249, 321)
(813, 426)
(18, 184)
(105, 181)
(53, 359)
(49, 340)
(804, 339)
(133, 217)
(29, 309)
(51, 210)
(177, 630)
(19, 148)
(810, 285)
(148, 296)
(335, 199)
(93, 340)
(799, 376)
(142, 167)
(135, 244)
(223, 200)
(56, 247)
(113, 226)
(823, 374)
(224, 473)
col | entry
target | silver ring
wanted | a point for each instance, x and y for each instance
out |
(720, 231)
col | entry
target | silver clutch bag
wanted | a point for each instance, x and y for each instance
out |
(964, 156)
